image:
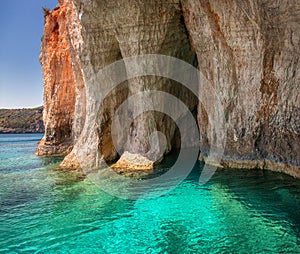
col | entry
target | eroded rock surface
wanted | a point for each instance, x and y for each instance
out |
(113, 30)
(247, 50)
(59, 84)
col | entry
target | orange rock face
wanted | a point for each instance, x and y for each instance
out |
(59, 85)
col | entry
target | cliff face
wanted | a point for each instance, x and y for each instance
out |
(109, 32)
(247, 50)
(59, 85)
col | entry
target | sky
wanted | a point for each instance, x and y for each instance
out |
(21, 29)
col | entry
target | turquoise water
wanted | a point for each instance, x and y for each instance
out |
(43, 210)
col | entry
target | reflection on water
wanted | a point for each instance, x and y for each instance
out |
(50, 211)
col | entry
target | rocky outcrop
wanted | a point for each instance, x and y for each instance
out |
(59, 84)
(247, 50)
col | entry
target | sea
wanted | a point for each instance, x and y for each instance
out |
(44, 209)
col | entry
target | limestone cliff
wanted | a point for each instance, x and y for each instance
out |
(59, 85)
(248, 50)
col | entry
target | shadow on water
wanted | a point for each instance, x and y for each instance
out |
(173, 237)
(274, 195)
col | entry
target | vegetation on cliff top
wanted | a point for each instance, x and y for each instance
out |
(27, 120)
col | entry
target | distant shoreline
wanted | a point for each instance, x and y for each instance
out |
(10, 133)
(21, 121)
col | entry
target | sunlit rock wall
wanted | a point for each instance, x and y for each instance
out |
(59, 85)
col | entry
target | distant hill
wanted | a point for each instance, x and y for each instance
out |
(27, 120)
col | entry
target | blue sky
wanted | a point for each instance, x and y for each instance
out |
(21, 26)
